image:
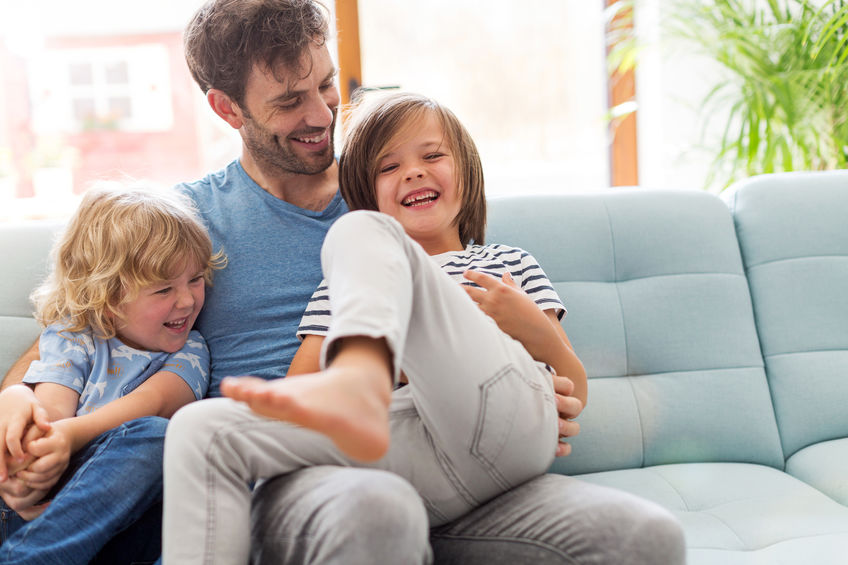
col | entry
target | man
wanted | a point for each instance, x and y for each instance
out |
(269, 211)
(265, 69)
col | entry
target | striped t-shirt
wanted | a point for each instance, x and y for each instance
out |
(493, 259)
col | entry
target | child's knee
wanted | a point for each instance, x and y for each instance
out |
(193, 418)
(195, 425)
(354, 226)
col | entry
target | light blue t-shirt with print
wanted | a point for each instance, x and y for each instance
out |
(104, 370)
(273, 249)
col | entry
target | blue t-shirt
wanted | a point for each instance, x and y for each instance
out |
(273, 249)
(104, 370)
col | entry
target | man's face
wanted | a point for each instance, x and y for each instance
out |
(288, 125)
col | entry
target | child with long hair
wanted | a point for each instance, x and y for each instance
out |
(478, 415)
(83, 434)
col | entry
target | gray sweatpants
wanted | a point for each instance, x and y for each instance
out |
(477, 418)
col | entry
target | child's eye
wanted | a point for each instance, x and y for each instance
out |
(197, 279)
(388, 168)
(433, 156)
(163, 291)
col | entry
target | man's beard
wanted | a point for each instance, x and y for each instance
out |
(270, 154)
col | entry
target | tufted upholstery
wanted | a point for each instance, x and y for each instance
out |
(660, 314)
(718, 378)
(793, 232)
(23, 250)
(680, 409)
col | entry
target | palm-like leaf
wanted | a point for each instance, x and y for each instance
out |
(786, 63)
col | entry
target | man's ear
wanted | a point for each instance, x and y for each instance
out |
(224, 106)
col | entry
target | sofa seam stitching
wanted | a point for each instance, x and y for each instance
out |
(624, 334)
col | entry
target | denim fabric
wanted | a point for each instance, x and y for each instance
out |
(140, 544)
(9, 521)
(110, 484)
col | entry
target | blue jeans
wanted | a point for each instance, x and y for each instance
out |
(111, 484)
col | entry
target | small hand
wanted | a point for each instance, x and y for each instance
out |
(52, 452)
(20, 409)
(569, 408)
(502, 300)
(33, 512)
(21, 498)
(15, 464)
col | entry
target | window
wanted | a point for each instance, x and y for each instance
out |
(84, 98)
(116, 88)
(527, 80)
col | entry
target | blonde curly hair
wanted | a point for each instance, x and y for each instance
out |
(121, 239)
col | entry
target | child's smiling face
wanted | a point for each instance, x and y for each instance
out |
(416, 185)
(161, 316)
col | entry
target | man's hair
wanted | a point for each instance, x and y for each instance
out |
(372, 126)
(120, 240)
(226, 38)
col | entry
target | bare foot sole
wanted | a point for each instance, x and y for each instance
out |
(347, 404)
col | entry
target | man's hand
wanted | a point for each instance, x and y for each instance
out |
(569, 408)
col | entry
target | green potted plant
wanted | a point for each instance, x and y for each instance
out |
(786, 88)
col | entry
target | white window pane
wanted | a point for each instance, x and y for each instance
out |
(116, 72)
(83, 109)
(81, 74)
(530, 89)
(120, 108)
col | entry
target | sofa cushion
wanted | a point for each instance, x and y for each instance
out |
(660, 314)
(24, 248)
(793, 233)
(741, 514)
(823, 465)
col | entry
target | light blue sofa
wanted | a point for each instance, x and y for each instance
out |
(715, 334)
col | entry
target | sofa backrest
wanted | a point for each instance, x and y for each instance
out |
(794, 242)
(24, 250)
(660, 314)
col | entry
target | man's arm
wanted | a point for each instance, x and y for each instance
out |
(19, 369)
(307, 358)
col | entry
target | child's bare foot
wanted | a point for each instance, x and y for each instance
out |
(348, 402)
